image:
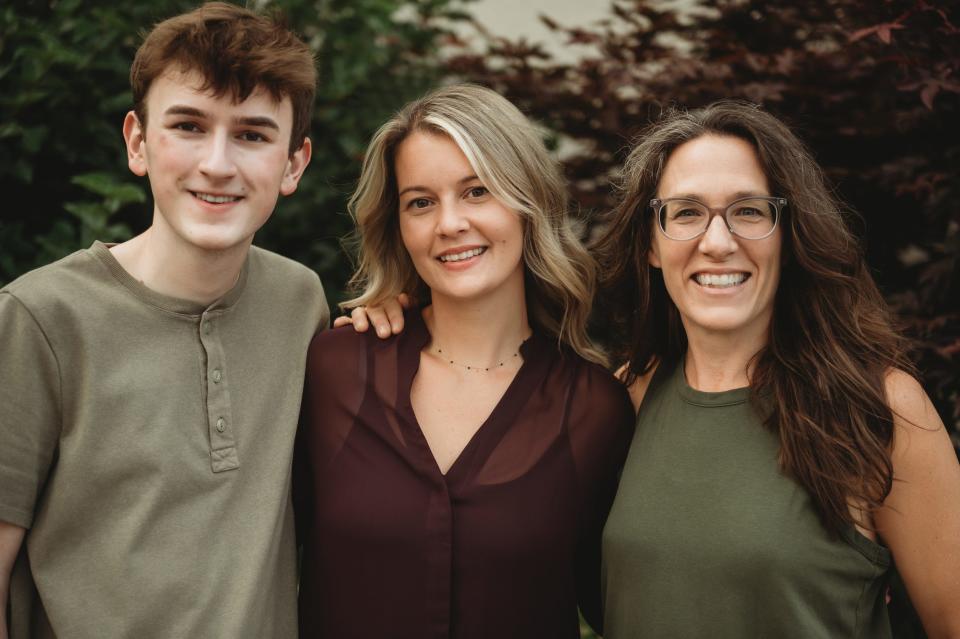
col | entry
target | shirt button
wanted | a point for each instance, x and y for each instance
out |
(217, 376)
(207, 327)
(221, 424)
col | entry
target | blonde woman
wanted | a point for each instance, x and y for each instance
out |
(453, 480)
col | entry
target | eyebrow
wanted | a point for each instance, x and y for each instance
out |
(254, 121)
(735, 196)
(423, 189)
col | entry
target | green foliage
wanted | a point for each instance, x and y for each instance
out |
(64, 93)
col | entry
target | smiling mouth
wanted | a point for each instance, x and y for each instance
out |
(216, 199)
(717, 280)
(465, 255)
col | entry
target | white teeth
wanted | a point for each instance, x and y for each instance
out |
(457, 257)
(724, 280)
(216, 199)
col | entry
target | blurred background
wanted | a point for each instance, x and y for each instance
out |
(872, 86)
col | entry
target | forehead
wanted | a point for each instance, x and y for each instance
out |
(429, 157)
(714, 168)
(184, 88)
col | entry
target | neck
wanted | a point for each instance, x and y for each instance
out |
(179, 269)
(477, 333)
(717, 361)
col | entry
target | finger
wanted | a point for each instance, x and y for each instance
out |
(405, 300)
(359, 317)
(379, 319)
(394, 312)
(343, 320)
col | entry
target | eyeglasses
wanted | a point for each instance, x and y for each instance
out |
(752, 218)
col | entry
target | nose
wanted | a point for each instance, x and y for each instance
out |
(717, 240)
(451, 219)
(217, 160)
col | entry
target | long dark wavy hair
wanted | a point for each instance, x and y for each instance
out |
(831, 341)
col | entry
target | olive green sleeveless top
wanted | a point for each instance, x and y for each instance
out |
(707, 538)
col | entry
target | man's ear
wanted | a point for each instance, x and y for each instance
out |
(135, 137)
(296, 164)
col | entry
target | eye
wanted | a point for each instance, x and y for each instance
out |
(477, 191)
(189, 127)
(751, 213)
(685, 214)
(419, 203)
(253, 136)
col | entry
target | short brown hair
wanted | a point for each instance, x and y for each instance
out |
(235, 51)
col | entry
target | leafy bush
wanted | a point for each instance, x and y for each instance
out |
(63, 93)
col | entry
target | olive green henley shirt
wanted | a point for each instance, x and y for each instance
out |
(145, 442)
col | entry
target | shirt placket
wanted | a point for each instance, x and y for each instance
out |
(440, 560)
(220, 424)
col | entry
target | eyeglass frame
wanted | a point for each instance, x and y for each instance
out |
(656, 204)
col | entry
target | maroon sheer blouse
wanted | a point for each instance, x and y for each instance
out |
(506, 544)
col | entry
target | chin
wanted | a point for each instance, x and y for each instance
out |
(721, 322)
(463, 293)
(218, 242)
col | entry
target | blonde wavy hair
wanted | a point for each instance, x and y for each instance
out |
(510, 159)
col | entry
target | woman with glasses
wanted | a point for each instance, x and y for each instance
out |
(784, 457)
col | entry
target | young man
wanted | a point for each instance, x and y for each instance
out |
(151, 389)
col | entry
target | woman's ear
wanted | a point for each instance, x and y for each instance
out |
(653, 255)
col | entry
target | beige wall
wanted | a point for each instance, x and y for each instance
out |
(519, 18)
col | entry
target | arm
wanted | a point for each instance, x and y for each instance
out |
(601, 427)
(11, 536)
(920, 519)
(29, 429)
(387, 320)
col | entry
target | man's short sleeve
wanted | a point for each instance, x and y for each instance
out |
(29, 410)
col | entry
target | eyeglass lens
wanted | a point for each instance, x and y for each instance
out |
(686, 219)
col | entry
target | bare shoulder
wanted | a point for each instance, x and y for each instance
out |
(915, 419)
(638, 389)
(921, 444)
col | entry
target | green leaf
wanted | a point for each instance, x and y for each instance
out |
(109, 186)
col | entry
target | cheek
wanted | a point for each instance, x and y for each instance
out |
(670, 259)
(511, 232)
(277, 163)
(267, 170)
(671, 264)
(412, 237)
(165, 148)
(774, 260)
(512, 250)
